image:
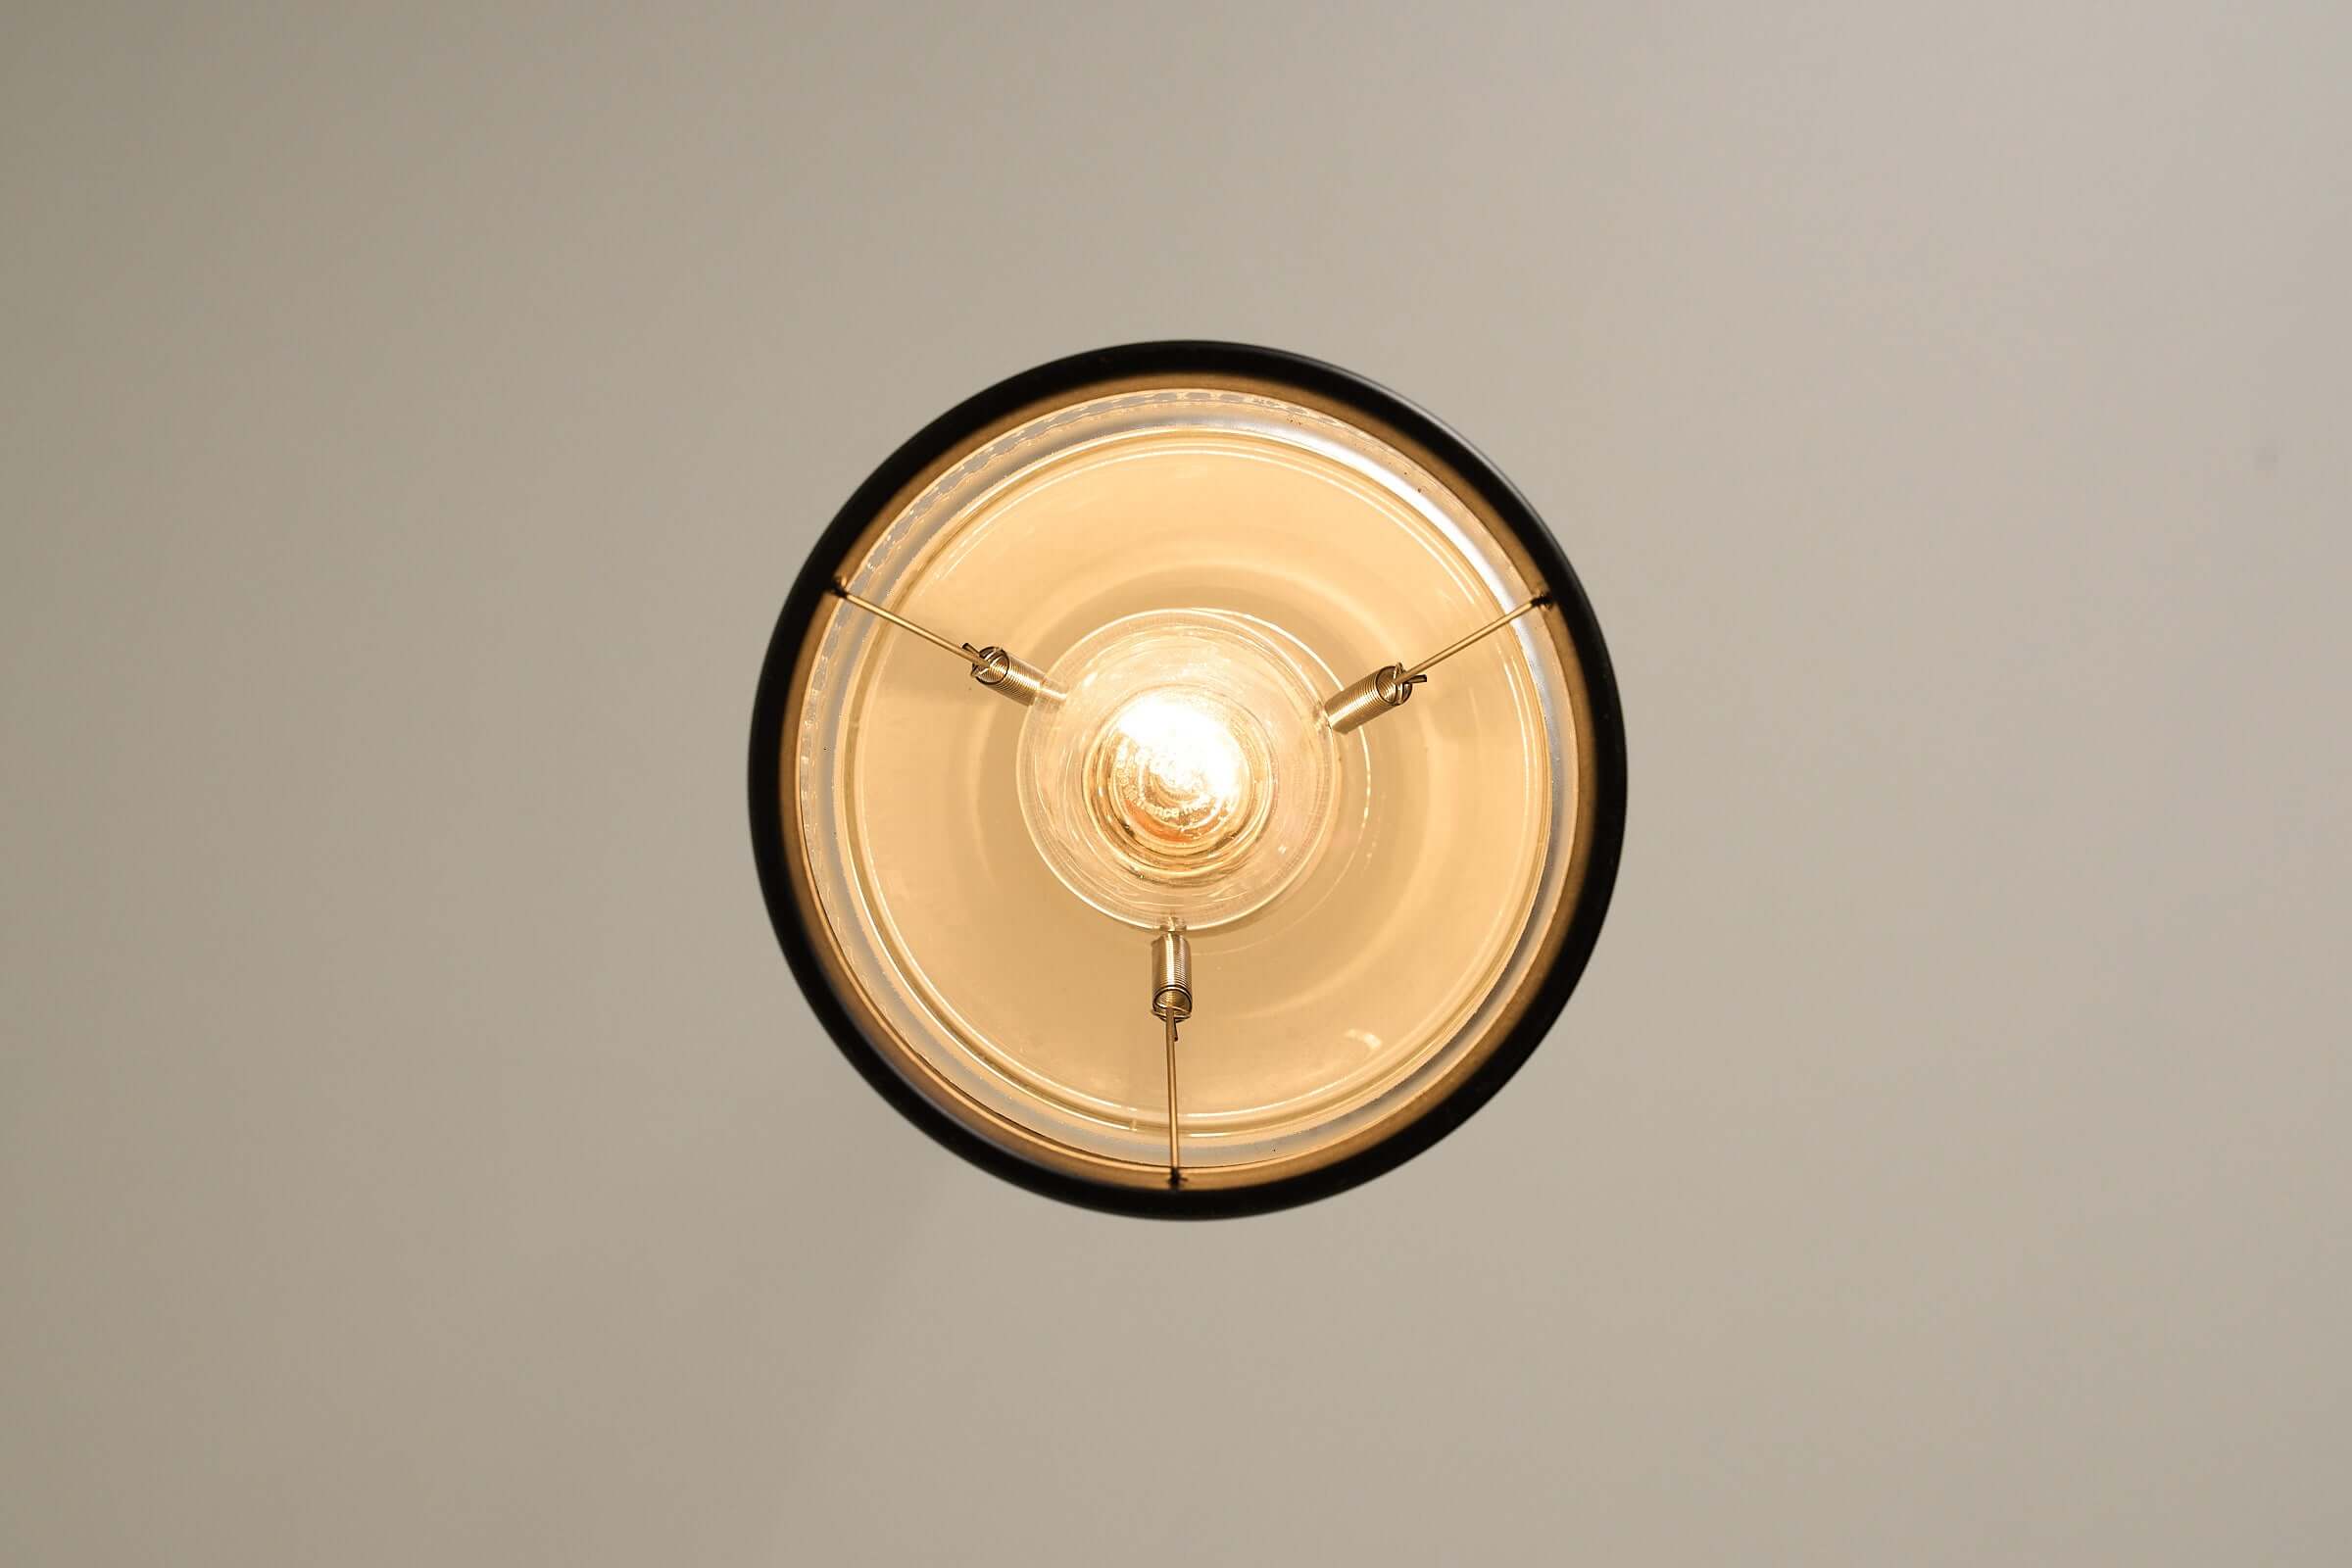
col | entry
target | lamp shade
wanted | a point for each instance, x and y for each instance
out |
(1187, 779)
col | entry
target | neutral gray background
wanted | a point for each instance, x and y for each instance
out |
(412, 1147)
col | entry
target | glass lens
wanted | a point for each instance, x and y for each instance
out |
(1180, 771)
(1197, 565)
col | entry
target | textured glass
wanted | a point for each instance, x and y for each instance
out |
(1346, 997)
(1182, 773)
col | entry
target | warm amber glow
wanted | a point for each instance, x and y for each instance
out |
(1185, 752)
(1178, 780)
(1351, 957)
(1185, 774)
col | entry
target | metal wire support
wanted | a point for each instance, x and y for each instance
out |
(1017, 678)
(1392, 685)
(1172, 1004)
(992, 667)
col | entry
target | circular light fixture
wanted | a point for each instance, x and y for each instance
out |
(1159, 899)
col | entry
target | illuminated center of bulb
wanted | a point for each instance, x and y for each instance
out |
(1185, 771)
(1177, 781)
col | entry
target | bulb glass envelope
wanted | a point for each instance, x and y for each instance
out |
(1384, 921)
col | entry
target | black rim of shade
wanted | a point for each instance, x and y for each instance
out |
(1156, 360)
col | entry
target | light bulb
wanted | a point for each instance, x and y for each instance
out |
(1178, 778)
(1186, 774)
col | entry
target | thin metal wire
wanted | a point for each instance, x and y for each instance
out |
(961, 651)
(1487, 630)
(1175, 1159)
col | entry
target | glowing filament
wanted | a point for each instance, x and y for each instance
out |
(1178, 779)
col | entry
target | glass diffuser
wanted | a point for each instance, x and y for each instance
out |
(1186, 779)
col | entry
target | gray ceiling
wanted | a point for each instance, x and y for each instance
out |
(414, 1149)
